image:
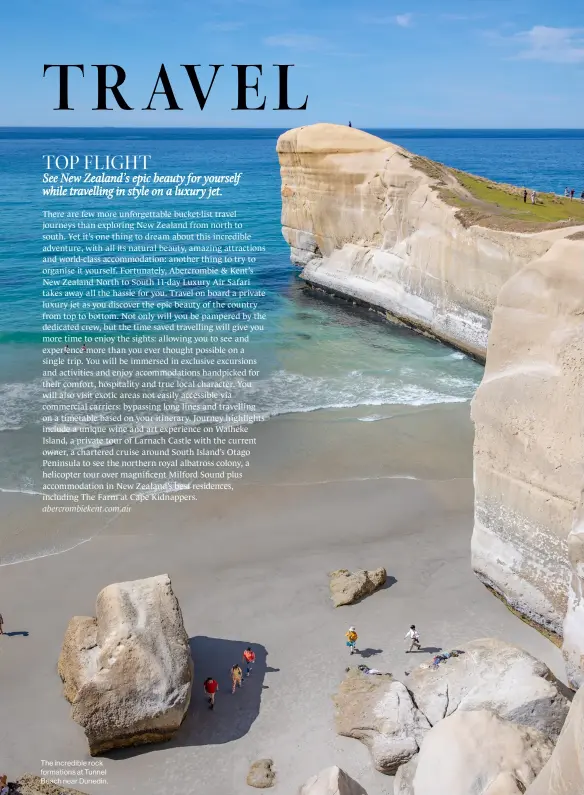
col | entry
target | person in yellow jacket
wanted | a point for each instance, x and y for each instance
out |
(352, 637)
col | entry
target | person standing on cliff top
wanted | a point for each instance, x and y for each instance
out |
(414, 637)
(572, 192)
(525, 196)
(533, 197)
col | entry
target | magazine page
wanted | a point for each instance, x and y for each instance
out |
(291, 398)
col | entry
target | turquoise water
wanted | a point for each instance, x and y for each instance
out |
(316, 354)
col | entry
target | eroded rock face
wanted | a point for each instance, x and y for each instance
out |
(348, 587)
(573, 647)
(564, 773)
(492, 675)
(332, 781)
(379, 711)
(128, 672)
(475, 753)
(364, 222)
(529, 442)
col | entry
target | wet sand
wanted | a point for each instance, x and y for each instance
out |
(252, 569)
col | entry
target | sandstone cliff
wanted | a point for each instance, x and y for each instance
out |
(366, 220)
(529, 443)
(371, 222)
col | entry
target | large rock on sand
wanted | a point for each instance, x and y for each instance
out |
(128, 672)
(379, 711)
(493, 675)
(475, 753)
(529, 442)
(348, 587)
(332, 781)
(564, 773)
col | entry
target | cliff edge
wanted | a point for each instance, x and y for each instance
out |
(369, 221)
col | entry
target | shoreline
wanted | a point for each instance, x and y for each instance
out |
(253, 570)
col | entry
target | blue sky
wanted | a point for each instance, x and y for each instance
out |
(412, 63)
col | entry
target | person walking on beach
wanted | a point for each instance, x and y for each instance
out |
(236, 677)
(524, 195)
(352, 638)
(414, 637)
(248, 659)
(210, 687)
(1, 625)
(533, 196)
(84, 348)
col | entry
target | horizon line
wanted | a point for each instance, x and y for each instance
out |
(236, 127)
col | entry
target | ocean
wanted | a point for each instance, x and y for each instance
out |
(318, 355)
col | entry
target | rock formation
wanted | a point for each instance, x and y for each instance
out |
(493, 675)
(128, 672)
(365, 220)
(475, 753)
(573, 647)
(379, 711)
(369, 221)
(564, 773)
(529, 443)
(348, 587)
(332, 781)
(510, 686)
(262, 774)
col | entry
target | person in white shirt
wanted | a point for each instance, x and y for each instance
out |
(414, 637)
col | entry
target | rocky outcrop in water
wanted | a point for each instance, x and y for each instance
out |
(365, 220)
(128, 672)
(529, 444)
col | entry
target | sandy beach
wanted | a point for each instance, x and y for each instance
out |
(252, 569)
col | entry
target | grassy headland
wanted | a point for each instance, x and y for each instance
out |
(486, 203)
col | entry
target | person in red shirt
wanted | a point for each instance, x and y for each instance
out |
(211, 687)
(248, 659)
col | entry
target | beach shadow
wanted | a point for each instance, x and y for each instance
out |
(388, 583)
(368, 652)
(426, 650)
(12, 634)
(233, 715)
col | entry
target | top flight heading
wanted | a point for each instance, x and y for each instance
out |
(110, 77)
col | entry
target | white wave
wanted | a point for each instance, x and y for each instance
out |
(17, 402)
(457, 355)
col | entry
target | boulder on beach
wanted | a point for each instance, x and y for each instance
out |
(128, 672)
(564, 773)
(475, 753)
(332, 781)
(35, 785)
(348, 587)
(262, 774)
(379, 711)
(495, 675)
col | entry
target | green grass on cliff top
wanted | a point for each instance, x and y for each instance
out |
(549, 208)
(495, 205)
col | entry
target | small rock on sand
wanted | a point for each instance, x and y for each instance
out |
(348, 587)
(262, 774)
